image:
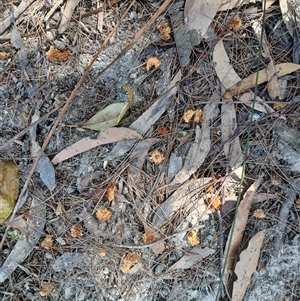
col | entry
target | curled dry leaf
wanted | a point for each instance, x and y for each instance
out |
(164, 32)
(9, 188)
(47, 288)
(47, 242)
(128, 261)
(103, 215)
(235, 23)
(262, 76)
(110, 192)
(56, 55)
(152, 62)
(76, 230)
(110, 115)
(192, 238)
(157, 157)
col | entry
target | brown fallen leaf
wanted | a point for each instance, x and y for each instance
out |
(47, 242)
(162, 131)
(200, 14)
(110, 116)
(148, 118)
(193, 257)
(9, 188)
(201, 146)
(246, 266)
(187, 197)
(250, 81)
(236, 232)
(108, 136)
(36, 222)
(128, 261)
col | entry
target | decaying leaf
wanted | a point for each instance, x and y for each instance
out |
(235, 23)
(47, 288)
(128, 261)
(192, 238)
(201, 146)
(103, 215)
(56, 55)
(109, 116)
(157, 156)
(149, 117)
(152, 62)
(227, 5)
(200, 14)
(164, 32)
(259, 213)
(247, 265)
(110, 192)
(47, 242)
(108, 136)
(185, 197)
(236, 232)
(76, 230)
(250, 81)
(36, 222)
(194, 256)
(9, 188)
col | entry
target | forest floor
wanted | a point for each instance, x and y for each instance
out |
(186, 187)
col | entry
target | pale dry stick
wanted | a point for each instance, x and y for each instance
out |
(54, 7)
(70, 98)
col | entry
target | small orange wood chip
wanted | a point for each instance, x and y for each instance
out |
(193, 238)
(47, 288)
(164, 32)
(148, 238)
(56, 55)
(235, 23)
(259, 213)
(110, 192)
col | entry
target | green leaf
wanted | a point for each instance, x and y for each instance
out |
(9, 188)
(109, 116)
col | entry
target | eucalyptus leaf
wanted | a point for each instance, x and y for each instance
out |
(9, 188)
(110, 115)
